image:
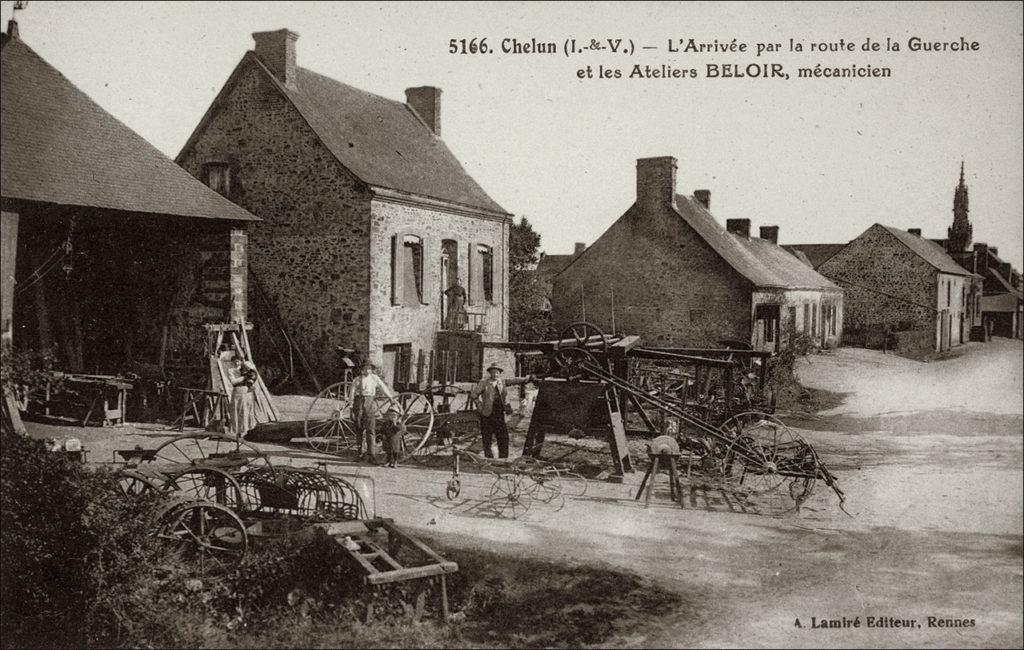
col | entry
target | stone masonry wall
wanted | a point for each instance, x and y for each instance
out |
(310, 251)
(664, 282)
(818, 301)
(885, 283)
(418, 324)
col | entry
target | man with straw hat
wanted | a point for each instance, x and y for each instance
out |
(492, 404)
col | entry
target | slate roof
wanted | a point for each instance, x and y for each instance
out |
(816, 254)
(58, 146)
(763, 263)
(1005, 283)
(382, 141)
(551, 265)
(928, 250)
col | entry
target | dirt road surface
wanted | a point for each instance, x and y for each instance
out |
(929, 455)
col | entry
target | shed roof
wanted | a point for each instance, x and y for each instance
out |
(763, 263)
(928, 250)
(59, 146)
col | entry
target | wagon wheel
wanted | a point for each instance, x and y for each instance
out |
(581, 334)
(446, 398)
(764, 455)
(205, 484)
(328, 424)
(204, 448)
(508, 495)
(574, 361)
(545, 484)
(133, 484)
(207, 534)
(417, 414)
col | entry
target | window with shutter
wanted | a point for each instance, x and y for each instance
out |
(486, 256)
(412, 270)
(397, 276)
(218, 177)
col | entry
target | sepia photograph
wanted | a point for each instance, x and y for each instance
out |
(511, 324)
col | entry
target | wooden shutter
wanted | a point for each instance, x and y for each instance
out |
(431, 268)
(397, 270)
(473, 287)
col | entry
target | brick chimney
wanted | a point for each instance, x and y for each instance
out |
(12, 29)
(426, 102)
(770, 233)
(739, 227)
(981, 252)
(579, 248)
(703, 197)
(656, 182)
(277, 51)
(994, 250)
(914, 231)
(1005, 270)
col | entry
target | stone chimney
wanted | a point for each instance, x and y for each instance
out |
(1005, 270)
(277, 51)
(425, 101)
(656, 182)
(770, 233)
(981, 252)
(579, 248)
(994, 250)
(914, 231)
(704, 198)
(739, 227)
(12, 29)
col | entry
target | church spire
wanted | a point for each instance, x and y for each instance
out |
(960, 233)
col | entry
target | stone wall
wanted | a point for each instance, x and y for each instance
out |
(885, 283)
(790, 325)
(418, 324)
(310, 253)
(651, 275)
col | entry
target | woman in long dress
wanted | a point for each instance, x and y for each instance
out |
(242, 375)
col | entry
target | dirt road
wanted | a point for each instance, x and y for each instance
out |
(930, 456)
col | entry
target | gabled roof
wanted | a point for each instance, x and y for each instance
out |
(816, 254)
(58, 146)
(552, 265)
(763, 263)
(800, 255)
(381, 141)
(1005, 283)
(928, 250)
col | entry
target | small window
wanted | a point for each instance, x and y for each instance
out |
(218, 178)
(807, 318)
(949, 290)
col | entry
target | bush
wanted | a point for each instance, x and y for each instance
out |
(73, 550)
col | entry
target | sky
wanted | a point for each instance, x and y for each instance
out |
(822, 158)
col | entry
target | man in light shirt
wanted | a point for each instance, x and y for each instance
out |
(364, 390)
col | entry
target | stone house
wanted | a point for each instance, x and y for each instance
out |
(367, 215)
(113, 255)
(1002, 301)
(897, 281)
(548, 266)
(668, 272)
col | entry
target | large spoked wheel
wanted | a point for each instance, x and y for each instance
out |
(205, 484)
(574, 362)
(133, 484)
(328, 423)
(509, 495)
(209, 449)
(767, 459)
(208, 535)
(417, 414)
(584, 335)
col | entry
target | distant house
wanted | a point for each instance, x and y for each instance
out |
(898, 281)
(368, 217)
(667, 271)
(1002, 301)
(112, 254)
(551, 265)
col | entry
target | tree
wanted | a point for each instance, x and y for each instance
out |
(529, 320)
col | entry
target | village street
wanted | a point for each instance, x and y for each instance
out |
(929, 455)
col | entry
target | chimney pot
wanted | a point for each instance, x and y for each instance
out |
(770, 233)
(914, 231)
(739, 227)
(703, 197)
(277, 51)
(426, 102)
(656, 181)
(579, 248)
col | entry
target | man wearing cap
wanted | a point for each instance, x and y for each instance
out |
(364, 390)
(492, 404)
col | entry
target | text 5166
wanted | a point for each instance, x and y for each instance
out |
(468, 46)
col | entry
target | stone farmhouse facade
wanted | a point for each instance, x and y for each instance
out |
(897, 281)
(367, 215)
(668, 272)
